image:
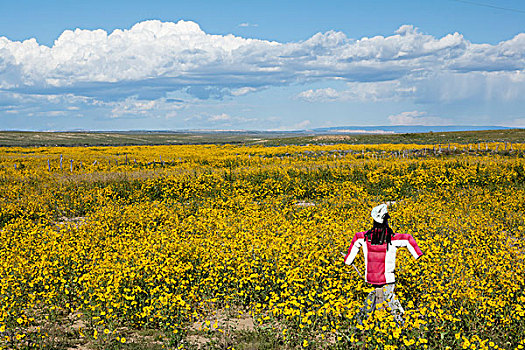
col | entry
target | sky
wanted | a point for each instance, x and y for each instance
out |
(260, 65)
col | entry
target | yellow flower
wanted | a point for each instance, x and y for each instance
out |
(174, 242)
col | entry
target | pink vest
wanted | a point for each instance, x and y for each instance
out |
(380, 262)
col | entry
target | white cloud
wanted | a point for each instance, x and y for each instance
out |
(219, 117)
(448, 87)
(327, 94)
(56, 113)
(247, 24)
(417, 118)
(506, 56)
(225, 119)
(123, 71)
(363, 92)
(178, 55)
(135, 108)
(130, 106)
(243, 91)
(432, 87)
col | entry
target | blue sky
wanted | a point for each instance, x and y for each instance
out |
(265, 65)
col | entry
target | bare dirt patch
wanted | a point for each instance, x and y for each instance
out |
(66, 222)
(305, 204)
(220, 327)
(334, 138)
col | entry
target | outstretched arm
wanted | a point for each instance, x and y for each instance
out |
(356, 243)
(406, 240)
(413, 248)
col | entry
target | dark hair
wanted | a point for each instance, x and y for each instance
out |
(380, 233)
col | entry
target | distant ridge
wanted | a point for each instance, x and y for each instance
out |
(381, 129)
(352, 135)
(405, 129)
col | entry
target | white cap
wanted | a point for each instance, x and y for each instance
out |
(379, 212)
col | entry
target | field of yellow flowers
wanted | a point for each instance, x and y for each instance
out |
(166, 246)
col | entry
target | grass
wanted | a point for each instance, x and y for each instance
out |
(32, 139)
(29, 139)
(462, 137)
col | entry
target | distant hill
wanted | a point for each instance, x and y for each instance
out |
(352, 135)
(404, 129)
